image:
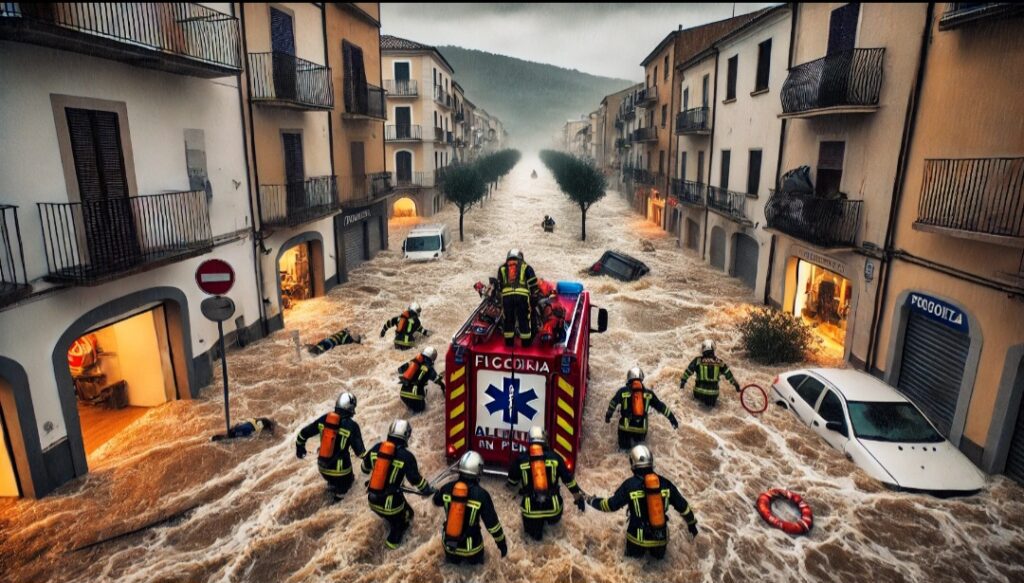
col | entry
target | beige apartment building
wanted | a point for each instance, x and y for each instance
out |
(612, 140)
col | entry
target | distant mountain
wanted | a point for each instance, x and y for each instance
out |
(533, 100)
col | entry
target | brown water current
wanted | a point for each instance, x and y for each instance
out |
(250, 510)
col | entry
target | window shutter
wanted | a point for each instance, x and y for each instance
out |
(730, 87)
(764, 60)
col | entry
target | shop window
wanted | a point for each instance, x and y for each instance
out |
(296, 276)
(823, 302)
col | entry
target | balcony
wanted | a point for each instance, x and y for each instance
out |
(627, 111)
(460, 116)
(403, 88)
(841, 83)
(696, 120)
(177, 37)
(414, 180)
(365, 189)
(442, 97)
(648, 134)
(980, 198)
(961, 13)
(643, 176)
(688, 192)
(403, 133)
(449, 138)
(13, 277)
(365, 103)
(825, 222)
(647, 95)
(729, 203)
(439, 135)
(88, 243)
(283, 80)
(621, 143)
(297, 203)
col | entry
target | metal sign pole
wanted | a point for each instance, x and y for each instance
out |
(224, 372)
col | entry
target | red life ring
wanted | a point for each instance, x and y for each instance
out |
(764, 507)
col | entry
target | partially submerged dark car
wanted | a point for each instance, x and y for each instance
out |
(620, 266)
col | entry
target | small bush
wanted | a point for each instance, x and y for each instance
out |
(773, 336)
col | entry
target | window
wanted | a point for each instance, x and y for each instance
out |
(730, 79)
(661, 161)
(195, 161)
(664, 114)
(682, 167)
(830, 168)
(892, 421)
(356, 94)
(435, 76)
(700, 167)
(655, 74)
(764, 64)
(795, 380)
(665, 68)
(831, 410)
(705, 82)
(723, 180)
(754, 172)
(435, 119)
(435, 160)
(810, 390)
(686, 99)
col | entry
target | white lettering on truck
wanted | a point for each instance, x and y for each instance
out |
(505, 363)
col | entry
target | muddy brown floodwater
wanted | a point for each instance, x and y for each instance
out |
(251, 511)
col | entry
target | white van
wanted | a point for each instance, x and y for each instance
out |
(426, 242)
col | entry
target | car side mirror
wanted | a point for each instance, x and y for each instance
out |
(403, 246)
(602, 319)
(836, 426)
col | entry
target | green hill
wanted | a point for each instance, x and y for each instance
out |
(533, 100)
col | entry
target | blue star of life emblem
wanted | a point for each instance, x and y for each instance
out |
(511, 401)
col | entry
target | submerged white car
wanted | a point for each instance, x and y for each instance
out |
(877, 428)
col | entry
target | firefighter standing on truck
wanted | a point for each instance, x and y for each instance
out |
(646, 496)
(709, 370)
(389, 464)
(518, 285)
(537, 474)
(466, 504)
(406, 325)
(339, 433)
(634, 401)
(414, 376)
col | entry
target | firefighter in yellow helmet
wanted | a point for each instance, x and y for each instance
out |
(537, 473)
(709, 370)
(389, 464)
(518, 285)
(466, 504)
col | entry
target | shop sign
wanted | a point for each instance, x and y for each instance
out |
(349, 219)
(938, 310)
(822, 260)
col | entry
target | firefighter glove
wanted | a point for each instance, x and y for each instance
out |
(300, 451)
(675, 424)
(440, 383)
(383, 331)
(429, 491)
(503, 547)
(608, 418)
(737, 385)
(693, 529)
(581, 502)
(426, 333)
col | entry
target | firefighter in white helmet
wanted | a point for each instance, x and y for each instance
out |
(406, 325)
(338, 433)
(537, 474)
(414, 375)
(709, 370)
(466, 504)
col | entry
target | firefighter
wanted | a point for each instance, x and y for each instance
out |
(518, 284)
(414, 376)
(389, 464)
(537, 473)
(634, 400)
(646, 496)
(406, 324)
(709, 370)
(339, 433)
(466, 504)
(338, 339)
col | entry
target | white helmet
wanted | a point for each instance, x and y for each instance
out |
(346, 403)
(430, 353)
(538, 435)
(514, 254)
(641, 458)
(635, 374)
(707, 346)
(471, 465)
(401, 429)
(414, 308)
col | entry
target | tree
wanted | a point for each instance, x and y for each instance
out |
(463, 186)
(583, 183)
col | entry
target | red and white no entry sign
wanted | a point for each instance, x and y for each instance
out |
(215, 277)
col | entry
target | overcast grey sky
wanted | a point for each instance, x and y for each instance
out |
(602, 39)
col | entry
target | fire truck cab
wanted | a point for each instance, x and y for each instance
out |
(495, 393)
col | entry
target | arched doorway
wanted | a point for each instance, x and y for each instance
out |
(300, 270)
(404, 207)
(718, 247)
(745, 251)
(403, 167)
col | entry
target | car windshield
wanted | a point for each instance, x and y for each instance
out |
(613, 264)
(429, 243)
(894, 421)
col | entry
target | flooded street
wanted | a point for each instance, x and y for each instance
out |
(165, 504)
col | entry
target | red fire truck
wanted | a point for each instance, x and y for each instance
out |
(495, 393)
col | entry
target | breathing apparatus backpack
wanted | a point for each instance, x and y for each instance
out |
(455, 527)
(377, 489)
(413, 370)
(329, 437)
(637, 401)
(541, 493)
(402, 321)
(656, 521)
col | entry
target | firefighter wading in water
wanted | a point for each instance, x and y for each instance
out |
(406, 325)
(646, 496)
(466, 504)
(414, 376)
(537, 474)
(518, 284)
(634, 401)
(709, 370)
(389, 464)
(339, 432)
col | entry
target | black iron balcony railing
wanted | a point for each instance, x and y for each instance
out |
(402, 88)
(460, 116)
(400, 133)
(648, 95)
(284, 80)
(95, 241)
(847, 79)
(299, 202)
(13, 277)
(980, 195)
(648, 134)
(643, 176)
(414, 179)
(730, 203)
(825, 222)
(961, 13)
(379, 184)
(178, 37)
(368, 103)
(696, 120)
(688, 191)
(438, 134)
(364, 189)
(621, 143)
(442, 97)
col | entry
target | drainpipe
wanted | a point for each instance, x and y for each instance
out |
(251, 176)
(711, 155)
(330, 139)
(673, 152)
(897, 190)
